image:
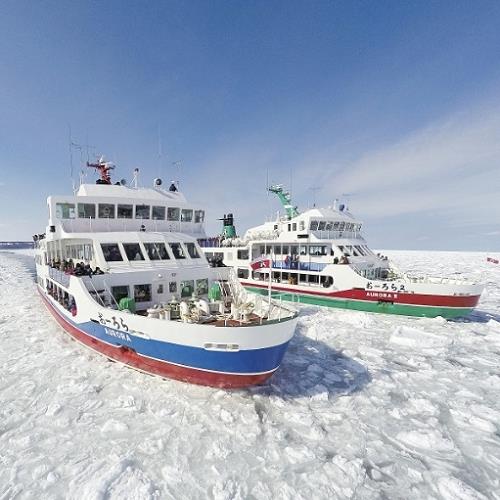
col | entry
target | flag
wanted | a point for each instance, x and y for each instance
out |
(260, 263)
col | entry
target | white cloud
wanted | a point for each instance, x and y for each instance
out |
(451, 166)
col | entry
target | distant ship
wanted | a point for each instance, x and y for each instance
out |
(320, 257)
(120, 270)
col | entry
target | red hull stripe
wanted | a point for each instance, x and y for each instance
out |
(376, 296)
(155, 367)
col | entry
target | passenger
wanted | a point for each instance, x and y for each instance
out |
(87, 270)
(143, 228)
(335, 260)
(98, 270)
(173, 187)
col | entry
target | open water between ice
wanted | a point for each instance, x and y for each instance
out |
(364, 406)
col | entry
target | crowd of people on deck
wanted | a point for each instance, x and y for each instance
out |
(67, 266)
(63, 297)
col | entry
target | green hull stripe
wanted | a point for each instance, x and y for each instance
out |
(369, 306)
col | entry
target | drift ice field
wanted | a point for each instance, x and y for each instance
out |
(364, 406)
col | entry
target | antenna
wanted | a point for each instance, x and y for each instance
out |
(314, 189)
(160, 152)
(136, 177)
(177, 164)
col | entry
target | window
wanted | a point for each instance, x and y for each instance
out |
(86, 210)
(242, 273)
(199, 215)
(290, 227)
(192, 251)
(294, 226)
(142, 211)
(243, 254)
(302, 225)
(65, 210)
(187, 288)
(318, 250)
(156, 251)
(106, 211)
(172, 287)
(313, 278)
(173, 213)
(202, 286)
(321, 225)
(142, 293)
(303, 250)
(119, 292)
(285, 249)
(186, 215)
(159, 290)
(341, 226)
(329, 226)
(177, 250)
(314, 225)
(277, 250)
(158, 213)
(125, 211)
(111, 252)
(133, 251)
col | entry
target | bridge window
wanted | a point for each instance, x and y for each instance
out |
(158, 213)
(303, 250)
(142, 293)
(173, 213)
(172, 287)
(125, 211)
(111, 252)
(199, 215)
(156, 251)
(142, 211)
(302, 225)
(294, 226)
(192, 251)
(328, 226)
(119, 292)
(314, 225)
(242, 273)
(321, 225)
(86, 210)
(106, 211)
(133, 251)
(177, 250)
(243, 254)
(341, 226)
(336, 226)
(186, 215)
(202, 286)
(187, 288)
(65, 210)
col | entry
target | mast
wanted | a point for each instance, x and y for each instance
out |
(286, 200)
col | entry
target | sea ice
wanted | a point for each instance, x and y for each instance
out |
(364, 406)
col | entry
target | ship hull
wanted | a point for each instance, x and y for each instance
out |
(420, 305)
(251, 367)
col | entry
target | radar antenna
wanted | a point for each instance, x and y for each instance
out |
(104, 168)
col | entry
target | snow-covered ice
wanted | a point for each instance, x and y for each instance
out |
(364, 406)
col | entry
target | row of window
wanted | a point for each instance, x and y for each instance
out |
(292, 250)
(143, 293)
(124, 211)
(323, 225)
(296, 279)
(154, 251)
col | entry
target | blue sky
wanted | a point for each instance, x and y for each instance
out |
(395, 103)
